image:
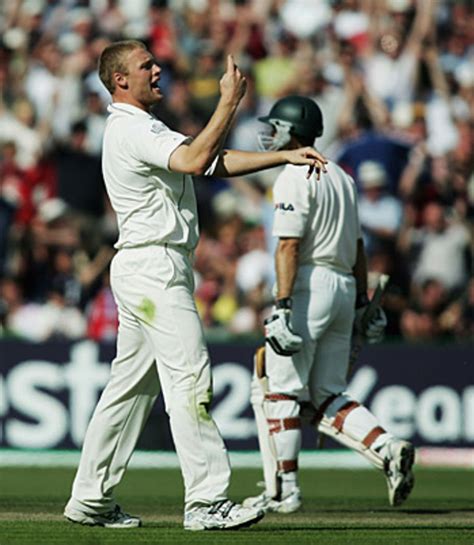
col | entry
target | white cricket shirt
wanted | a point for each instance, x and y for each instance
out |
(323, 214)
(153, 204)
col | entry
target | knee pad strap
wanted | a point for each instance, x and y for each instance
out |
(343, 413)
(277, 425)
(270, 396)
(373, 434)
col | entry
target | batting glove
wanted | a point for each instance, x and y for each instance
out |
(278, 331)
(371, 327)
(375, 331)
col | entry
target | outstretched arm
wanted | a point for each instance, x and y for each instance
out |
(236, 163)
(421, 25)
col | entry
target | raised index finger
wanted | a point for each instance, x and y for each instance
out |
(230, 63)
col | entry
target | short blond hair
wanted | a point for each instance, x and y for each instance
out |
(112, 59)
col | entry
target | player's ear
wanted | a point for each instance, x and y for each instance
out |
(120, 80)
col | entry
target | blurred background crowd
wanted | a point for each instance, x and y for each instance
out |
(395, 82)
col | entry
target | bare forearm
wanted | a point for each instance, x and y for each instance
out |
(360, 268)
(422, 23)
(237, 163)
(211, 138)
(438, 78)
(197, 156)
(344, 117)
(286, 263)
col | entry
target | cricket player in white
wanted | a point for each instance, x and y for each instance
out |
(160, 341)
(321, 293)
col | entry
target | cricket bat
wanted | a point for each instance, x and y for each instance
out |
(368, 315)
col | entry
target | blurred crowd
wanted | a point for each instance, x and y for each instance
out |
(395, 82)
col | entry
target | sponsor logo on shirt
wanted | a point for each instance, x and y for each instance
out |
(285, 207)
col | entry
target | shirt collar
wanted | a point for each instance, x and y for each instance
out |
(128, 108)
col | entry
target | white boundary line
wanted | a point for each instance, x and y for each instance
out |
(319, 459)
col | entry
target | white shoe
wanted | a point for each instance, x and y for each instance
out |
(222, 515)
(398, 471)
(288, 504)
(111, 519)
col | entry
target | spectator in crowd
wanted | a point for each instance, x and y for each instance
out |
(41, 322)
(380, 214)
(94, 121)
(424, 318)
(102, 313)
(464, 309)
(80, 184)
(11, 185)
(442, 251)
(204, 81)
(274, 72)
(391, 68)
(368, 144)
(63, 274)
(19, 127)
(395, 81)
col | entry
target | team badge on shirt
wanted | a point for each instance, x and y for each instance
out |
(156, 127)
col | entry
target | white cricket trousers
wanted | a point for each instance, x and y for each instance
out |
(160, 341)
(323, 314)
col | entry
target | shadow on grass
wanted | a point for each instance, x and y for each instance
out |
(384, 511)
(433, 511)
(361, 528)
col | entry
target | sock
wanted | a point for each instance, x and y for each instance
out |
(289, 481)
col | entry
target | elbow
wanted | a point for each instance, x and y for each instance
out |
(289, 246)
(212, 164)
(196, 172)
(203, 162)
(199, 167)
(187, 161)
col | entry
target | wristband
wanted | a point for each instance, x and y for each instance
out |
(284, 302)
(361, 300)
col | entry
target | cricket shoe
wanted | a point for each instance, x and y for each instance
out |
(398, 471)
(289, 504)
(222, 515)
(110, 519)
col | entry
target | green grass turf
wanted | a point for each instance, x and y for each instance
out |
(340, 507)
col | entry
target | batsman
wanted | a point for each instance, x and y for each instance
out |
(321, 297)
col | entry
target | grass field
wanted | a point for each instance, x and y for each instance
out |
(340, 507)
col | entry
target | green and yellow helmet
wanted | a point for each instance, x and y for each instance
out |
(293, 115)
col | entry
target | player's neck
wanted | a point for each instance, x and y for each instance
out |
(124, 98)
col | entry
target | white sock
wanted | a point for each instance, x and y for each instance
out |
(380, 445)
(289, 481)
